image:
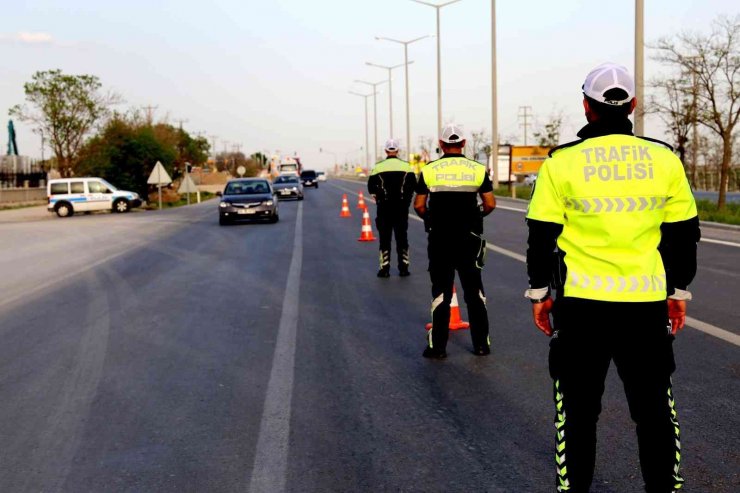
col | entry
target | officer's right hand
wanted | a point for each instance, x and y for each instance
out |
(541, 315)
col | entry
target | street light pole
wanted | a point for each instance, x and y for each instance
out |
(375, 114)
(439, 59)
(389, 68)
(367, 149)
(406, 76)
(639, 66)
(494, 100)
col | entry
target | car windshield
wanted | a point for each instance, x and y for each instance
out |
(110, 187)
(246, 188)
(308, 174)
(286, 179)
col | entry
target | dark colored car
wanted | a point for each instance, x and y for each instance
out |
(248, 198)
(309, 178)
(288, 186)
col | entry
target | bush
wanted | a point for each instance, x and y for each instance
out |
(708, 212)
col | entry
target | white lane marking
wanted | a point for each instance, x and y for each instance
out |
(692, 322)
(710, 329)
(271, 457)
(721, 242)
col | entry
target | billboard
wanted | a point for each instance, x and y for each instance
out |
(526, 160)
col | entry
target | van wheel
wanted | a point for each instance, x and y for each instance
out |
(64, 209)
(121, 205)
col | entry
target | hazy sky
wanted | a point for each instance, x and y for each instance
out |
(275, 74)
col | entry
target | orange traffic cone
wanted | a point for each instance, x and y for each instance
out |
(456, 321)
(345, 207)
(361, 202)
(366, 234)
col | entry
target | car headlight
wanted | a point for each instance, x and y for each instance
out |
(294, 189)
(267, 203)
(223, 204)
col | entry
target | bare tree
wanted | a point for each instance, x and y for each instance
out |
(549, 134)
(65, 108)
(675, 106)
(477, 143)
(715, 61)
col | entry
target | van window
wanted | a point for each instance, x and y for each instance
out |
(97, 187)
(77, 187)
(59, 188)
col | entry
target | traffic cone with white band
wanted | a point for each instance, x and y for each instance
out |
(361, 202)
(345, 207)
(456, 321)
(366, 234)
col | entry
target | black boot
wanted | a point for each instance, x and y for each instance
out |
(385, 263)
(403, 263)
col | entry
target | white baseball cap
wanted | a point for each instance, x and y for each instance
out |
(392, 145)
(609, 76)
(452, 134)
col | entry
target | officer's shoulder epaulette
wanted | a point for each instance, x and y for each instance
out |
(656, 141)
(563, 146)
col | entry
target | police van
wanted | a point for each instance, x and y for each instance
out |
(70, 195)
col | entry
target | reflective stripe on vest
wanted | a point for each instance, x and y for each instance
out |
(454, 174)
(392, 164)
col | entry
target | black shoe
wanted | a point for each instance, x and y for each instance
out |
(384, 273)
(404, 271)
(481, 350)
(434, 353)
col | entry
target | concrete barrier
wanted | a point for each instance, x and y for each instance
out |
(14, 195)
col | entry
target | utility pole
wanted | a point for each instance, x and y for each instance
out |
(439, 59)
(375, 114)
(180, 122)
(150, 114)
(367, 149)
(494, 100)
(406, 77)
(389, 68)
(639, 66)
(525, 112)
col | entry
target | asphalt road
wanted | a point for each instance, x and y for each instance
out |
(162, 352)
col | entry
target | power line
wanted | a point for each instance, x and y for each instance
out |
(525, 113)
(150, 113)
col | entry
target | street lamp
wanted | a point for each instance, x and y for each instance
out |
(390, 87)
(321, 149)
(439, 59)
(406, 76)
(639, 66)
(494, 100)
(375, 113)
(367, 149)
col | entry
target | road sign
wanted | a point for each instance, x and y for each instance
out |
(241, 170)
(159, 176)
(187, 185)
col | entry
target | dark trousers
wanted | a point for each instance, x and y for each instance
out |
(589, 334)
(465, 253)
(393, 218)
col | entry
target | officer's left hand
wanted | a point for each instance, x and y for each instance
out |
(541, 315)
(676, 314)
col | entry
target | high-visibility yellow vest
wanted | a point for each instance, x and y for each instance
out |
(454, 174)
(611, 194)
(391, 164)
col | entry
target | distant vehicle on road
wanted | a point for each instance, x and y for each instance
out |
(248, 198)
(69, 195)
(309, 178)
(321, 175)
(288, 186)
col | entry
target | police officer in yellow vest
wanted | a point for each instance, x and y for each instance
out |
(454, 221)
(622, 216)
(392, 183)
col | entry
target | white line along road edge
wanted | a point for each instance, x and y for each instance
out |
(723, 334)
(271, 457)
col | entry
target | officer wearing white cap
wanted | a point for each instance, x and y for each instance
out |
(392, 183)
(454, 221)
(619, 214)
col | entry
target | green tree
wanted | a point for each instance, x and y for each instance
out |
(124, 154)
(66, 108)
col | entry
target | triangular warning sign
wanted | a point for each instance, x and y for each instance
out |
(187, 185)
(159, 176)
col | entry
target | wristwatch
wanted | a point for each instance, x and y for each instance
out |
(537, 295)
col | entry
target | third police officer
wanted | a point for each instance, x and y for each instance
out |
(621, 213)
(392, 183)
(454, 221)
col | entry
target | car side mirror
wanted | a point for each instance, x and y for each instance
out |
(219, 194)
